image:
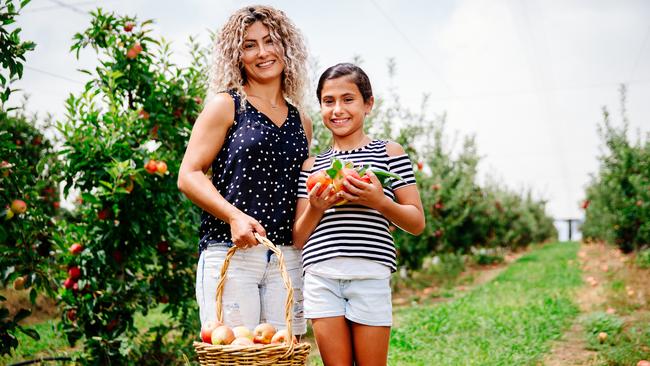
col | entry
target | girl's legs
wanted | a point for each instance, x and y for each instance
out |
(370, 344)
(334, 340)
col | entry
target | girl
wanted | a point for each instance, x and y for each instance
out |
(348, 251)
(255, 141)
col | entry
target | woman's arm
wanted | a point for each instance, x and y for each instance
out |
(208, 135)
(310, 211)
(406, 212)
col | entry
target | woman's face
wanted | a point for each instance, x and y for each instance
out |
(342, 107)
(260, 55)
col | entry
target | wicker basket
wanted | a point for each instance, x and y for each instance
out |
(258, 354)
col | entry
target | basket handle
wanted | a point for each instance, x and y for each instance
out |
(288, 308)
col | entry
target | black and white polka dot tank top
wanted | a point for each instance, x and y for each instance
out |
(257, 171)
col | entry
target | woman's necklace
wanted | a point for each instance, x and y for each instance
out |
(273, 106)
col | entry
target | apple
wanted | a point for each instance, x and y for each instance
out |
(263, 333)
(242, 341)
(643, 363)
(56, 205)
(128, 26)
(198, 100)
(75, 248)
(242, 332)
(103, 214)
(69, 283)
(222, 335)
(420, 165)
(282, 336)
(117, 256)
(134, 51)
(143, 114)
(161, 167)
(9, 214)
(207, 329)
(74, 272)
(72, 314)
(19, 283)
(151, 166)
(319, 177)
(602, 337)
(18, 206)
(163, 247)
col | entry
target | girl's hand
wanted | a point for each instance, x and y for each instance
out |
(323, 201)
(362, 193)
(242, 228)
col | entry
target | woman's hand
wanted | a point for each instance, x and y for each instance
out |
(323, 201)
(242, 229)
(362, 193)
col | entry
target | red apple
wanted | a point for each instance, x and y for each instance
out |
(163, 247)
(69, 283)
(128, 26)
(319, 177)
(18, 206)
(103, 214)
(207, 329)
(420, 165)
(198, 100)
(643, 363)
(282, 336)
(143, 114)
(134, 51)
(76, 248)
(263, 333)
(117, 256)
(151, 166)
(74, 272)
(222, 335)
(72, 314)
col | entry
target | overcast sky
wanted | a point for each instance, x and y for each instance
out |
(528, 78)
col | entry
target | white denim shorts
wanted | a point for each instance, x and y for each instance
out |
(363, 301)
(254, 292)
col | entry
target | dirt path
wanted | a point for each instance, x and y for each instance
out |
(596, 261)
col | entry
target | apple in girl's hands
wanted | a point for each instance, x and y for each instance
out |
(208, 328)
(319, 177)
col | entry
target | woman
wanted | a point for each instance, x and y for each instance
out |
(255, 141)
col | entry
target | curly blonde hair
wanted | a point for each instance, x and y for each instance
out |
(227, 71)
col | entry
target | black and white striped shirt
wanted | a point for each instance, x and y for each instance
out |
(354, 230)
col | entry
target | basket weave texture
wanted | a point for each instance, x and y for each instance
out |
(258, 354)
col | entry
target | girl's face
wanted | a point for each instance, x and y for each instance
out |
(342, 107)
(260, 57)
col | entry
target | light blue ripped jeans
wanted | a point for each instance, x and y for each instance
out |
(254, 292)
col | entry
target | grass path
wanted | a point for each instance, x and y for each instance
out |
(508, 321)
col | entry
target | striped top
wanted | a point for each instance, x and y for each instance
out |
(354, 230)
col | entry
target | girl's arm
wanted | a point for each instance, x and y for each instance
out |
(309, 211)
(208, 135)
(406, 212)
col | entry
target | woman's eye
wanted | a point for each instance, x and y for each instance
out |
(248, 46)
(269, 41)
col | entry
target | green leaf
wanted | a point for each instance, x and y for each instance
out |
(22, 314)
(337, 164)
(31, 333)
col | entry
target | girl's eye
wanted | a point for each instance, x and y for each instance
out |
(348, 100)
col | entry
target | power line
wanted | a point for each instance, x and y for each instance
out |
(58, 6)
(414, 47)
(53, 75)
(70, 7)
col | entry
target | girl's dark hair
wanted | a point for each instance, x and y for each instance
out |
(354, 72)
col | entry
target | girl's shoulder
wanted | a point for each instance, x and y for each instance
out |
(392, 147)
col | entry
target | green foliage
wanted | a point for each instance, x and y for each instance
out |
(12, 48)
(617, 203)
(599, 322)
(508, 321)
(137, 230)
(643, 259)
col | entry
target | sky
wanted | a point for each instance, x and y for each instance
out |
(527, 78)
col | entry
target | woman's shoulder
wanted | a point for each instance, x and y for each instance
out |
(220, 108)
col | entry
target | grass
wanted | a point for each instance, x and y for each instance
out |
(509, 321)
(51, 344)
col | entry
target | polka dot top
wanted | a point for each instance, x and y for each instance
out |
(257, 171)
